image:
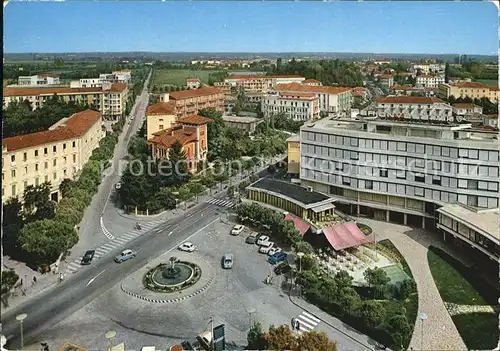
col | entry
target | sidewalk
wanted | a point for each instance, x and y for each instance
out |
(335, 323)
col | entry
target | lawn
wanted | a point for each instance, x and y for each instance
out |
(478, 330)
(459, 284)
(178, 76)
(489, 82)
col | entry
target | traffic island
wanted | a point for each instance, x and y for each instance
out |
(170, 279)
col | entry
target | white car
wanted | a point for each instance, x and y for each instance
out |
(266, 247)
(274, 250)
(238, 229)
(263, 240)
(187, 247)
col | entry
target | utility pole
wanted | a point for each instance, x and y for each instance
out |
(212, 348)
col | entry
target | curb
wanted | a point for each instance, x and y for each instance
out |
(205, 287)
(332, 326)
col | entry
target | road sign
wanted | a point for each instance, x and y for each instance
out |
(219, 335)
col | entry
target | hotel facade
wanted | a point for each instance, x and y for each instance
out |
(298, 106)
(50, 156)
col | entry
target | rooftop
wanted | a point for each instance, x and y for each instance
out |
(116, 87)
(238, 119)
(293, 138)
(161, 108)
(483, 220)
(464, 105)
(195, 120)
(296, 95)
(260, 76)
(295, 192)
(73, 127)
(168, 137)
(312, 89)
(186, 94)
(409, 100)
(476, 85)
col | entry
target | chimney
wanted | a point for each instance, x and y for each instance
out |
(165, 97)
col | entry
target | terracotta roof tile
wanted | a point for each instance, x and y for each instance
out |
(75, 126)
(186, 94)
(311, 81)
(463, 105)
(193, 79)
(161, 108)
(470, 85)
(409, 100)
(312, 89)
(48, 75)
(195, 120)
(492, 116)
(168, 137)
(115, 88)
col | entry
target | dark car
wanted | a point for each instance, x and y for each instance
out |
(88, 257)
(282, 268)
(251, 239)
(277, 257)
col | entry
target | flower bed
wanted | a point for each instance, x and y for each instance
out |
(366, 230)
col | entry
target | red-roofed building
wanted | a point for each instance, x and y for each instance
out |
(473, 90)
(51, 155)
(189, 102)
(298, 106)
(312, 82)
(190, 132)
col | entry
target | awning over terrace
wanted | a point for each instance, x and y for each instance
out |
(300, 224)
(322, 208)
(344, 236)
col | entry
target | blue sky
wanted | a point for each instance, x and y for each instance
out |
(380, 27)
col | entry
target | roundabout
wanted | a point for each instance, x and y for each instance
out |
(170, 279)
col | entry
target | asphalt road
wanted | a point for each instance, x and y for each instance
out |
(54, 304)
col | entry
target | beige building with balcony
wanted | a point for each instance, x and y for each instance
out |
(473, 90)
(261, 83)
(299, 106)
(414, 108)
(50, 156)
(189, 102)
(110, 99)
(429, 81)
(38, 79)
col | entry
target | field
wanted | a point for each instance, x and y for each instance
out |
(177, 76)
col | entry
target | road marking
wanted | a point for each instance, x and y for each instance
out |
(307, 322)
(158, 230)
(170, 233)
(105, 231)
(189, 237)
(91, 280)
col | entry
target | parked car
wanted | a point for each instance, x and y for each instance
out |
(227, 261)
(277, 257)
(187, 247)
(88, 257)
(251, 239)
(265, 247)
(125, 255)
(263, 239)
(282, 268)
(274, 250)
(238, 229)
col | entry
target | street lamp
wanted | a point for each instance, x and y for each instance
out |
(110, 335)
(423, 317)
(250, 311)
(21, 317)
(300, 255)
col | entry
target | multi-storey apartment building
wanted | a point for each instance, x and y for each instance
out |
(38, 79)
(50, 156)
(109, 99)
(429, 81)
(87, 83)
(260, 83)
(332, 100)
(427, 68)
(299, 106)
(189, 102)
(415, 108)
(400, 171)
(191, 133)
(104, 79)
(312, 82)
(473, 90)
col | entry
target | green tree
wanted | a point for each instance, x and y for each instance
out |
(377, 279)
(280, 338)
(399, 328)
(255, 337)
(304, 247)
(69, 210)
(47, 238)
(178, 160)
(65, 186)
(372, 312)
(313, 340)
(9, 279)
(35, 197)
(13, 223)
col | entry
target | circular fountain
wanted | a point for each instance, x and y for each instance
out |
(173, 276)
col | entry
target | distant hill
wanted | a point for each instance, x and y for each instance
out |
(183, 56)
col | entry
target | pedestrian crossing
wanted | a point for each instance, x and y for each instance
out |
(222, 202)
(113, 244)
(307, 322)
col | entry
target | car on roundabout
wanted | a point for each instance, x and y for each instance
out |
(125, 255)
(263, 239)
(88, 257)
(187, 247)
(265, 247)
(274, 250)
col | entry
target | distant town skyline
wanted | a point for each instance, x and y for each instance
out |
(354, 27)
